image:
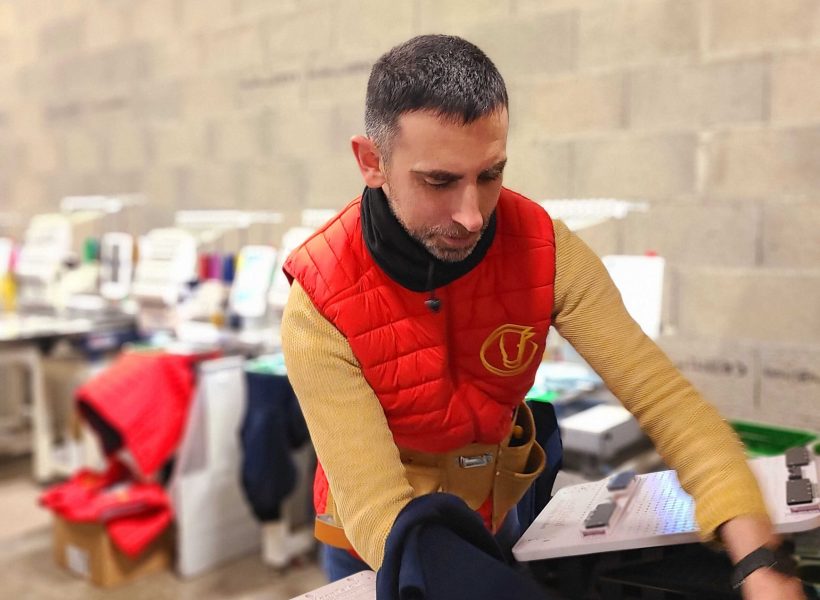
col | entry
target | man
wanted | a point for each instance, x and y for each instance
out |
(418, 316)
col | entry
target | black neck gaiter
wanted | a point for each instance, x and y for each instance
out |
(405, 260)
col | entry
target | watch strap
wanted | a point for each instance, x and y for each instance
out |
(779, 559)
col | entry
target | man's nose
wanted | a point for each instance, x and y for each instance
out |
(467, 212)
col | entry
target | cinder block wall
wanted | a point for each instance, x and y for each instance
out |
(708, 109)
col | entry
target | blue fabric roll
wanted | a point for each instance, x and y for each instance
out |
(228, 268)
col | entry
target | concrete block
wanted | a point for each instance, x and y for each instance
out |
(232, 48)
(161, 101)
(163, 189)
(292, 38)
(177, 57)
(277, 185)
(529, 46)
(266, 87)
(767, 305)
(764, 162)
(635, 167)
(790, 385)
(32, 194)
(697, 96)
(201, 15)
(457, 15)
(126, 64)
(62, 37)
(692, 234)
(604, 238)
(239, 137)
(755, 26)
(635, 32)
(539, 169)
(65, 183)
(789, 234)
(570, 105)
(9, 23)
(178, 143)
(107, 25)
(525, 7)
(150, 19)
(795, 88)
(328, 82)
(207, 96)
(723, 371)
(6, 51)
(42, 152)
(81, 151)
(335, 184)
(209, 186)
(256, 8)
(347, 121)
(115, 182)
(302, 133)
(126, 147)
(368, 28)
(12, 156)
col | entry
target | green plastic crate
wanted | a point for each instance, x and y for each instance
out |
(768, 440)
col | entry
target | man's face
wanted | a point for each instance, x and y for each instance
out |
(443, 179)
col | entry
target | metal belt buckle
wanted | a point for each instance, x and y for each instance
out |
(471, 462)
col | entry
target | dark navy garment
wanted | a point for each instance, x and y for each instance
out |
(439, 549)
(548, 435)
(273, 426)
(338, 564)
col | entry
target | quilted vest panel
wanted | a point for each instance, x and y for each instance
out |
(449, 378)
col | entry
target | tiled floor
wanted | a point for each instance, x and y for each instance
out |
(28, 571)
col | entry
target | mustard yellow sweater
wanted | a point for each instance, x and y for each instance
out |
(356, 449)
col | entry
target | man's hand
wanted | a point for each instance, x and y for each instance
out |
(767, 584)
(746, 533)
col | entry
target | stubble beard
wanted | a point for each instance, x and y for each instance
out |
(426, 236)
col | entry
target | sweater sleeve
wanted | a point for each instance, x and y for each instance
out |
(347, 426)
(688, 433)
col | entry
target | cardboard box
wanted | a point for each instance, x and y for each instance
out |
(86, 550)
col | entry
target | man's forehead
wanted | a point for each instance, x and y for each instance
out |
(446, 139)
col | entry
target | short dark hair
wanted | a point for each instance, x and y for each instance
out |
(441, 73)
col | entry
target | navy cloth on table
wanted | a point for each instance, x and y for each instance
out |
(273, 426)
(439, 549)
(548, 435)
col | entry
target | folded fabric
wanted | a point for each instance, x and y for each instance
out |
(134, 513)
(439, 549)
(82, 485)
(116, 502)
(134, 533)
(141, 402)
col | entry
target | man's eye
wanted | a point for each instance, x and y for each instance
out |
(437, 183)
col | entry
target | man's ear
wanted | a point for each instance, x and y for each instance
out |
(369, 160)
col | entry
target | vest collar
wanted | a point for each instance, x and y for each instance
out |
(405, 260)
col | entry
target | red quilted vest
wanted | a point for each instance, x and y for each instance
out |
(449, 378)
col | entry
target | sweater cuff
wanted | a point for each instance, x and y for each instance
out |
(736, 497)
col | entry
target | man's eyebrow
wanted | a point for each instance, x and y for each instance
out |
(496, 169)
(442, 175)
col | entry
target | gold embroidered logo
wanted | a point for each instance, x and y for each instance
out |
(509, 350)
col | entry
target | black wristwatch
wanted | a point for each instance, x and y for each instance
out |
(779, 559)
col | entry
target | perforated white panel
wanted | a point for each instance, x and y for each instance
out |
(660, 513)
